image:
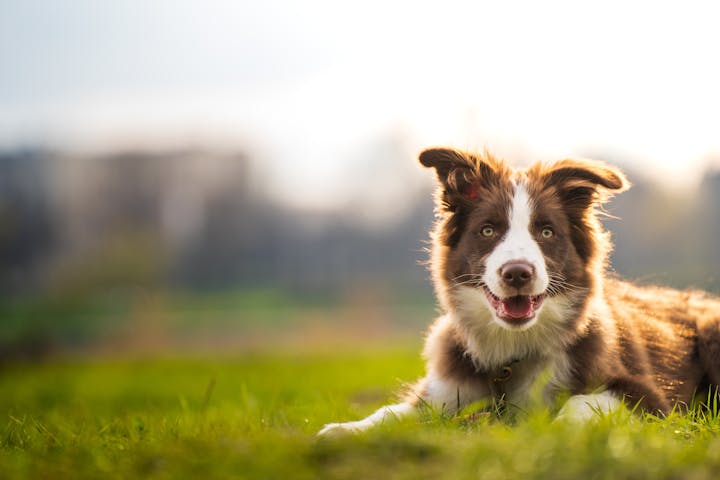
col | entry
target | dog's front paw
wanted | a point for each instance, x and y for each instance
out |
(583, 408)
(333, 429)
(378, 417)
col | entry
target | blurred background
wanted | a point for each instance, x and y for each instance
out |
(181, 176)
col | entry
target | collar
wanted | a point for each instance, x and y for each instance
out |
(498, 379)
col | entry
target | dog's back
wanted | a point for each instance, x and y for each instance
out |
(668, 338)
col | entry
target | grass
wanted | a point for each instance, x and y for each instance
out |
(255, 417)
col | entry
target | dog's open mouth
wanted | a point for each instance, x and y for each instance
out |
(515, 310)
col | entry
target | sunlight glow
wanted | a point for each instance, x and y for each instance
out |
(314, 88)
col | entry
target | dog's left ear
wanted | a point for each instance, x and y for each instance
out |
(585, 182)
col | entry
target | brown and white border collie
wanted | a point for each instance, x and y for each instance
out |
(519, 266)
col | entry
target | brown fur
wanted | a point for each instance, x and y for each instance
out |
(653, 346)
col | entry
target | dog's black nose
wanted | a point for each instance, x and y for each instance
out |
(516, 274)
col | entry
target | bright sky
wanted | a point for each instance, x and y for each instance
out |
(329, 93)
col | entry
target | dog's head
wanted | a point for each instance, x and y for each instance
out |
(513, 241)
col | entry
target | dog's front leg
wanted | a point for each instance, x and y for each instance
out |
(398, 410)
(440, 393)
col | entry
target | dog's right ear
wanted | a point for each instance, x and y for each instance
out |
(462, 175)
(443, 160)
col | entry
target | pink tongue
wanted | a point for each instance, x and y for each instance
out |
(518, 307)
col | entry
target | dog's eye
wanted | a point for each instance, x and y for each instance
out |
(547, 232)
(488, 231)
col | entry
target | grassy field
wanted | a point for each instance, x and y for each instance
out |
(256, 416)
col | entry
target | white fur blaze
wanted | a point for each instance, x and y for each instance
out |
(518, 244)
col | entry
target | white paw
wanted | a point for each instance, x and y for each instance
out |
(379, 416)
(582, 408)
(331, 429)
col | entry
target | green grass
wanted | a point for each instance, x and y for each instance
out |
(256, 417)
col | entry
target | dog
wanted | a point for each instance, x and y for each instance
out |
(519, 265)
